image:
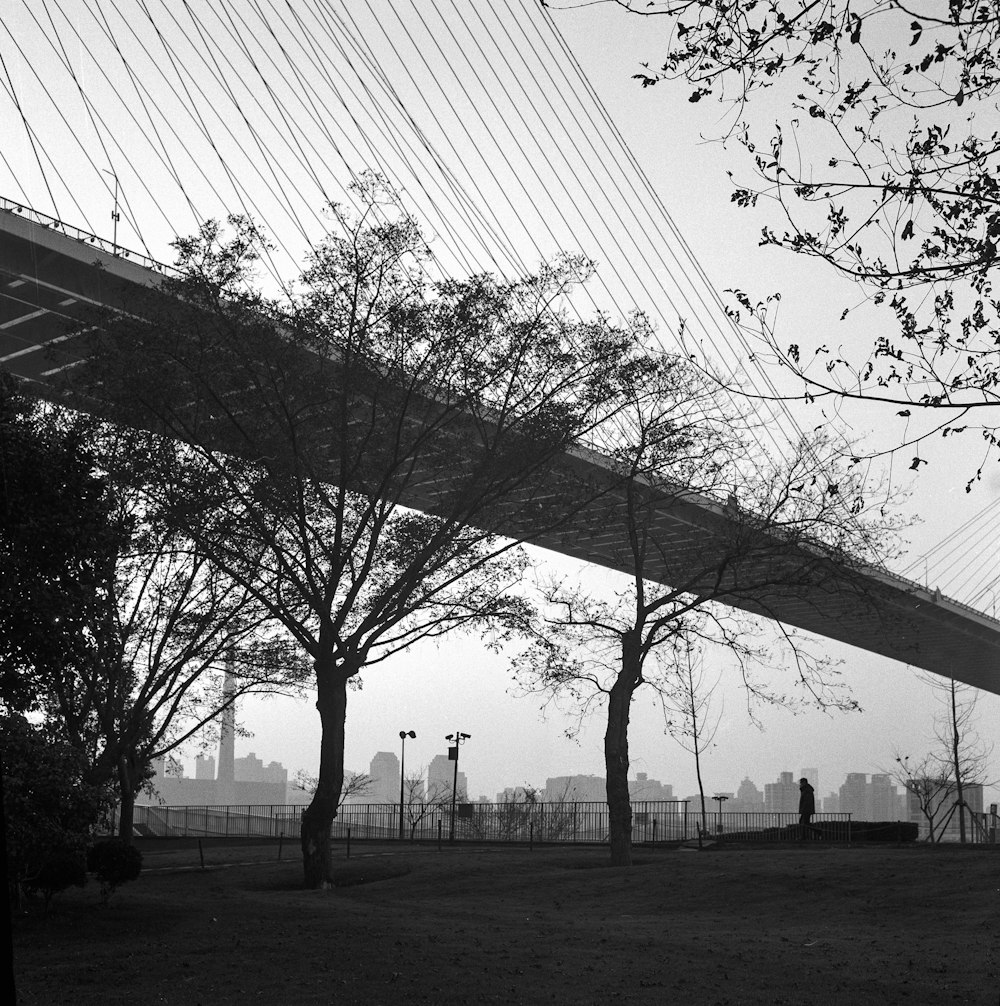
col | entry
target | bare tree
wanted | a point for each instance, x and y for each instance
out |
(356, 784)
(782, 522)
(960, 758)
(962, 754)
(930, 790)
(316, 428)
(687, 709)
(418, 805)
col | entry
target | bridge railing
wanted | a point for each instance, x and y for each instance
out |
(86, 237)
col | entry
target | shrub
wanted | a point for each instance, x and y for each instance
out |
(55, 871)
(49, 810)
(114, 863)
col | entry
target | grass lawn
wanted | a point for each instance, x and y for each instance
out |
(806, 924)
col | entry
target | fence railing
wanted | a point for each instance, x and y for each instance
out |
(581, 822)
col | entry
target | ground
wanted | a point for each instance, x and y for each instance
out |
(802, 924)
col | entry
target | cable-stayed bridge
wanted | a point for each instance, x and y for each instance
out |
(50, 276)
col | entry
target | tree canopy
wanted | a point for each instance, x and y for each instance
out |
(363, 457)
(872, 132)
(113, 627)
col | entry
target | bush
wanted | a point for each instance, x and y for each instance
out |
(114, 863)
(49, 809)
(56, 870)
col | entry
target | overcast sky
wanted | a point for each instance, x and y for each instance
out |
(189, 132)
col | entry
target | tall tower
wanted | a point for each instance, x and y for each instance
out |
(225, 789)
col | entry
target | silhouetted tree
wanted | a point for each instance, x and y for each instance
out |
(791, 528)
(112, 625)
(317, 427)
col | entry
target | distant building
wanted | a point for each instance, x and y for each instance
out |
(644, 788)
(384, 772)
(883, 801)
(441, 776)
(252, 769)
(782, 796)
(877, 800)
(854, 796)
(747, 799)
(575, 789)
(171, 791)
(237, 780)
(518, 794)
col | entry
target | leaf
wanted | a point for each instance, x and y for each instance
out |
(904, 412)
(907, 231)
(916, 463)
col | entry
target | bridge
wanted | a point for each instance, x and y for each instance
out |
(51, 275)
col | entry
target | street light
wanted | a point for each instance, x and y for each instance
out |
(115, 215)
(720, 798)
(457, 739)
(403, 734)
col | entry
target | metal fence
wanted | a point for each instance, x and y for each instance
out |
(582, 822)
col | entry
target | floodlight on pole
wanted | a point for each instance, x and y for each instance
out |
(456, 740)
(403, 734)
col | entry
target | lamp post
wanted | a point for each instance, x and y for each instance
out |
(115, 215)
(720, 798)
(457, 739)
(403, 734)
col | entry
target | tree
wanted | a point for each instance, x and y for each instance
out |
(930, 790)
(355, 785)
(871, 128)
(316, 427)
(960, 758)
(49, 809)
(767, 529)
(687, 709)
(112, 622)
(56, 538)
(417, 803)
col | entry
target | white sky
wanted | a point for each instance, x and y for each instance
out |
(535, 190)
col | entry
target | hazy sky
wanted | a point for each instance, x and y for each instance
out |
(205, 118)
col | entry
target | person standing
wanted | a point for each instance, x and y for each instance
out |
(807, 807)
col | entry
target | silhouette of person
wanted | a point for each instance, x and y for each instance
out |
(807, 807)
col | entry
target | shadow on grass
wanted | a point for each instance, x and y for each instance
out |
(345, 874)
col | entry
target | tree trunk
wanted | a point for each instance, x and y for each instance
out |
(126, 808)
(959, 767)
(616, 756)
(317, 818)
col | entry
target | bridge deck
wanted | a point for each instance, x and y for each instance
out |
(48, 276)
